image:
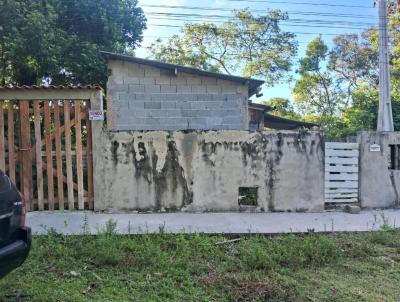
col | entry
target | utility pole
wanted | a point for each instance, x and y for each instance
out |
(385, 116)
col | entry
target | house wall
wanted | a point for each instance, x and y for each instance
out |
(142, 97)
(379, 186)
(203, 170)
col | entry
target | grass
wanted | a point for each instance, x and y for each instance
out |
(161, 267)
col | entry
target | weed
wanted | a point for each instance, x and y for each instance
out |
(110, 228)
(385, 222)
(165, 267)
(85, 226)
(129, 227)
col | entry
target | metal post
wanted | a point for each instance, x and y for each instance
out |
(385, 116)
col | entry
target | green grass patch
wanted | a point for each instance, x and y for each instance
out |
(161, 267)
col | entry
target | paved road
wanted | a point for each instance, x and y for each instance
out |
(80, 222)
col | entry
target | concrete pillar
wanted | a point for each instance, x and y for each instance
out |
(96, 103)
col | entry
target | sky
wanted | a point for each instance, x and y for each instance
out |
(307, 18)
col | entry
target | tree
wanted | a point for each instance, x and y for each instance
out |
(282, 107)
(27, 47)
(176, 51)
(249, 45)
(316, 91)
(61, 39)
(354, 62)
(394, 39)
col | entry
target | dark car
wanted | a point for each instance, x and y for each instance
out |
(15, 237)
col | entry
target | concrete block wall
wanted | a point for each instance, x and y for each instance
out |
(141, 97)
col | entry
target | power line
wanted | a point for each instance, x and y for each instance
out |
(300, 33)
(184, 16)
(301, 3)
(307, 13)
(288, 24)
(166, 37)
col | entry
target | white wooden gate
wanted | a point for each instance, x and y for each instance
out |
(341, 172)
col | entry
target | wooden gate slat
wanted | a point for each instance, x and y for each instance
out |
(11, 147)
(341, 168)
(60, 182)
(2, 142)
(340, 190)
(78, 142)
(340, 195)
(74, 185)
(72, 123)
(38, 151)
(89, 157)
(68, 155)
(341, 146)
(341, 172)
(341, 160)
(49, 155)
(341, 153)
(25, 151)
(341, 200)
(341, 176)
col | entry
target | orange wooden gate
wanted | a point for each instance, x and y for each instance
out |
(46, 149)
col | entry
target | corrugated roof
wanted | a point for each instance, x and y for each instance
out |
(49, 87)
(260, 107)
(281, 123)
(253, 83)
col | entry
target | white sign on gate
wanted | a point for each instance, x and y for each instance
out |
(96, 115)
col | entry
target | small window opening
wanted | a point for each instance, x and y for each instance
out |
(394, 157)
(248, 196)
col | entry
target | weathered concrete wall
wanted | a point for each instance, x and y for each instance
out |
(379, 186)
(202, 171)
(142, 97)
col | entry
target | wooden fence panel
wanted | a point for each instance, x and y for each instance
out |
(38, 151)
(78, 142)
(10, 137)
(68, 154)
(60, 181)
(49, 156)
(341, 172)
(25, 150)
(43, 129)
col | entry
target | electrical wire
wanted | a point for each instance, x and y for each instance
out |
(220, 18)
(307, 13)
(302, 3)
(300, 33)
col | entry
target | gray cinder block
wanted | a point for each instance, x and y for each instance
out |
(152, 105)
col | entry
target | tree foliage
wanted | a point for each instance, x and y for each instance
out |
(316, 92)
(281, 106)
(250, 45)
(361, 61)
(61, 39)
(339, 86)
(177, 51)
